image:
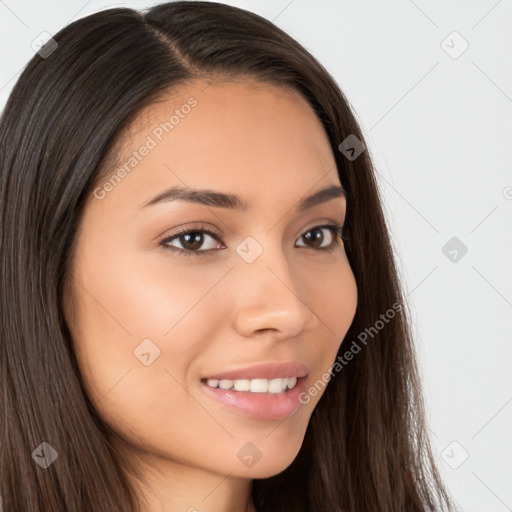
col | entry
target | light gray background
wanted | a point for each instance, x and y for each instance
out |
(439, 129)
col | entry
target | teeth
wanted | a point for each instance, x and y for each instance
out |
(291, 382)
(242, 385)
(272, 386)
(259, 385)
(225, 384)
(276, 385)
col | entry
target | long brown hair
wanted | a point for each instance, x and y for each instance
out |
(366, 447)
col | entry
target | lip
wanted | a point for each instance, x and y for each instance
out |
(271, 370)
(262, 406)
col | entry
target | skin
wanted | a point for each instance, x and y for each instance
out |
(294, 302)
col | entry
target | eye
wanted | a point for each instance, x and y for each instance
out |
(191, 240)
(316, 237)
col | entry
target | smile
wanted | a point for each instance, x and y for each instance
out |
(262, 399)
(279, 385)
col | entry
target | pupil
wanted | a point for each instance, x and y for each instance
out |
(318, 239)
(191, 239)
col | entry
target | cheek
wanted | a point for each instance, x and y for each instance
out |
(121, 303)
(333, 298)
(128, 308)
(138, 298)
(338, 301)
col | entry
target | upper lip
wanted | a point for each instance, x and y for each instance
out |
(268, 371)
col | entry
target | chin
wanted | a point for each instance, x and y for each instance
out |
(265, 459)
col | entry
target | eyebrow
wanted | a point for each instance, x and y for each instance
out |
(221, 200)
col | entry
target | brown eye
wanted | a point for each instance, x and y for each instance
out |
(315, 237)
(192, 241)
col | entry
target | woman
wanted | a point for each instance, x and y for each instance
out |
(273, 372)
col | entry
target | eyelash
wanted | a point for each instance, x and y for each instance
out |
(336, 230)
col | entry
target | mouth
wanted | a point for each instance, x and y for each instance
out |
(268, 386)
(258, 399)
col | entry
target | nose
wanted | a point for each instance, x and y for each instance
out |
(268, 298)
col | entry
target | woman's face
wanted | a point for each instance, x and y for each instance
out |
(268, 287)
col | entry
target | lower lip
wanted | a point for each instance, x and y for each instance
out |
(263, 406)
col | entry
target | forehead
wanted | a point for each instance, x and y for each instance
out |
(238, 136)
